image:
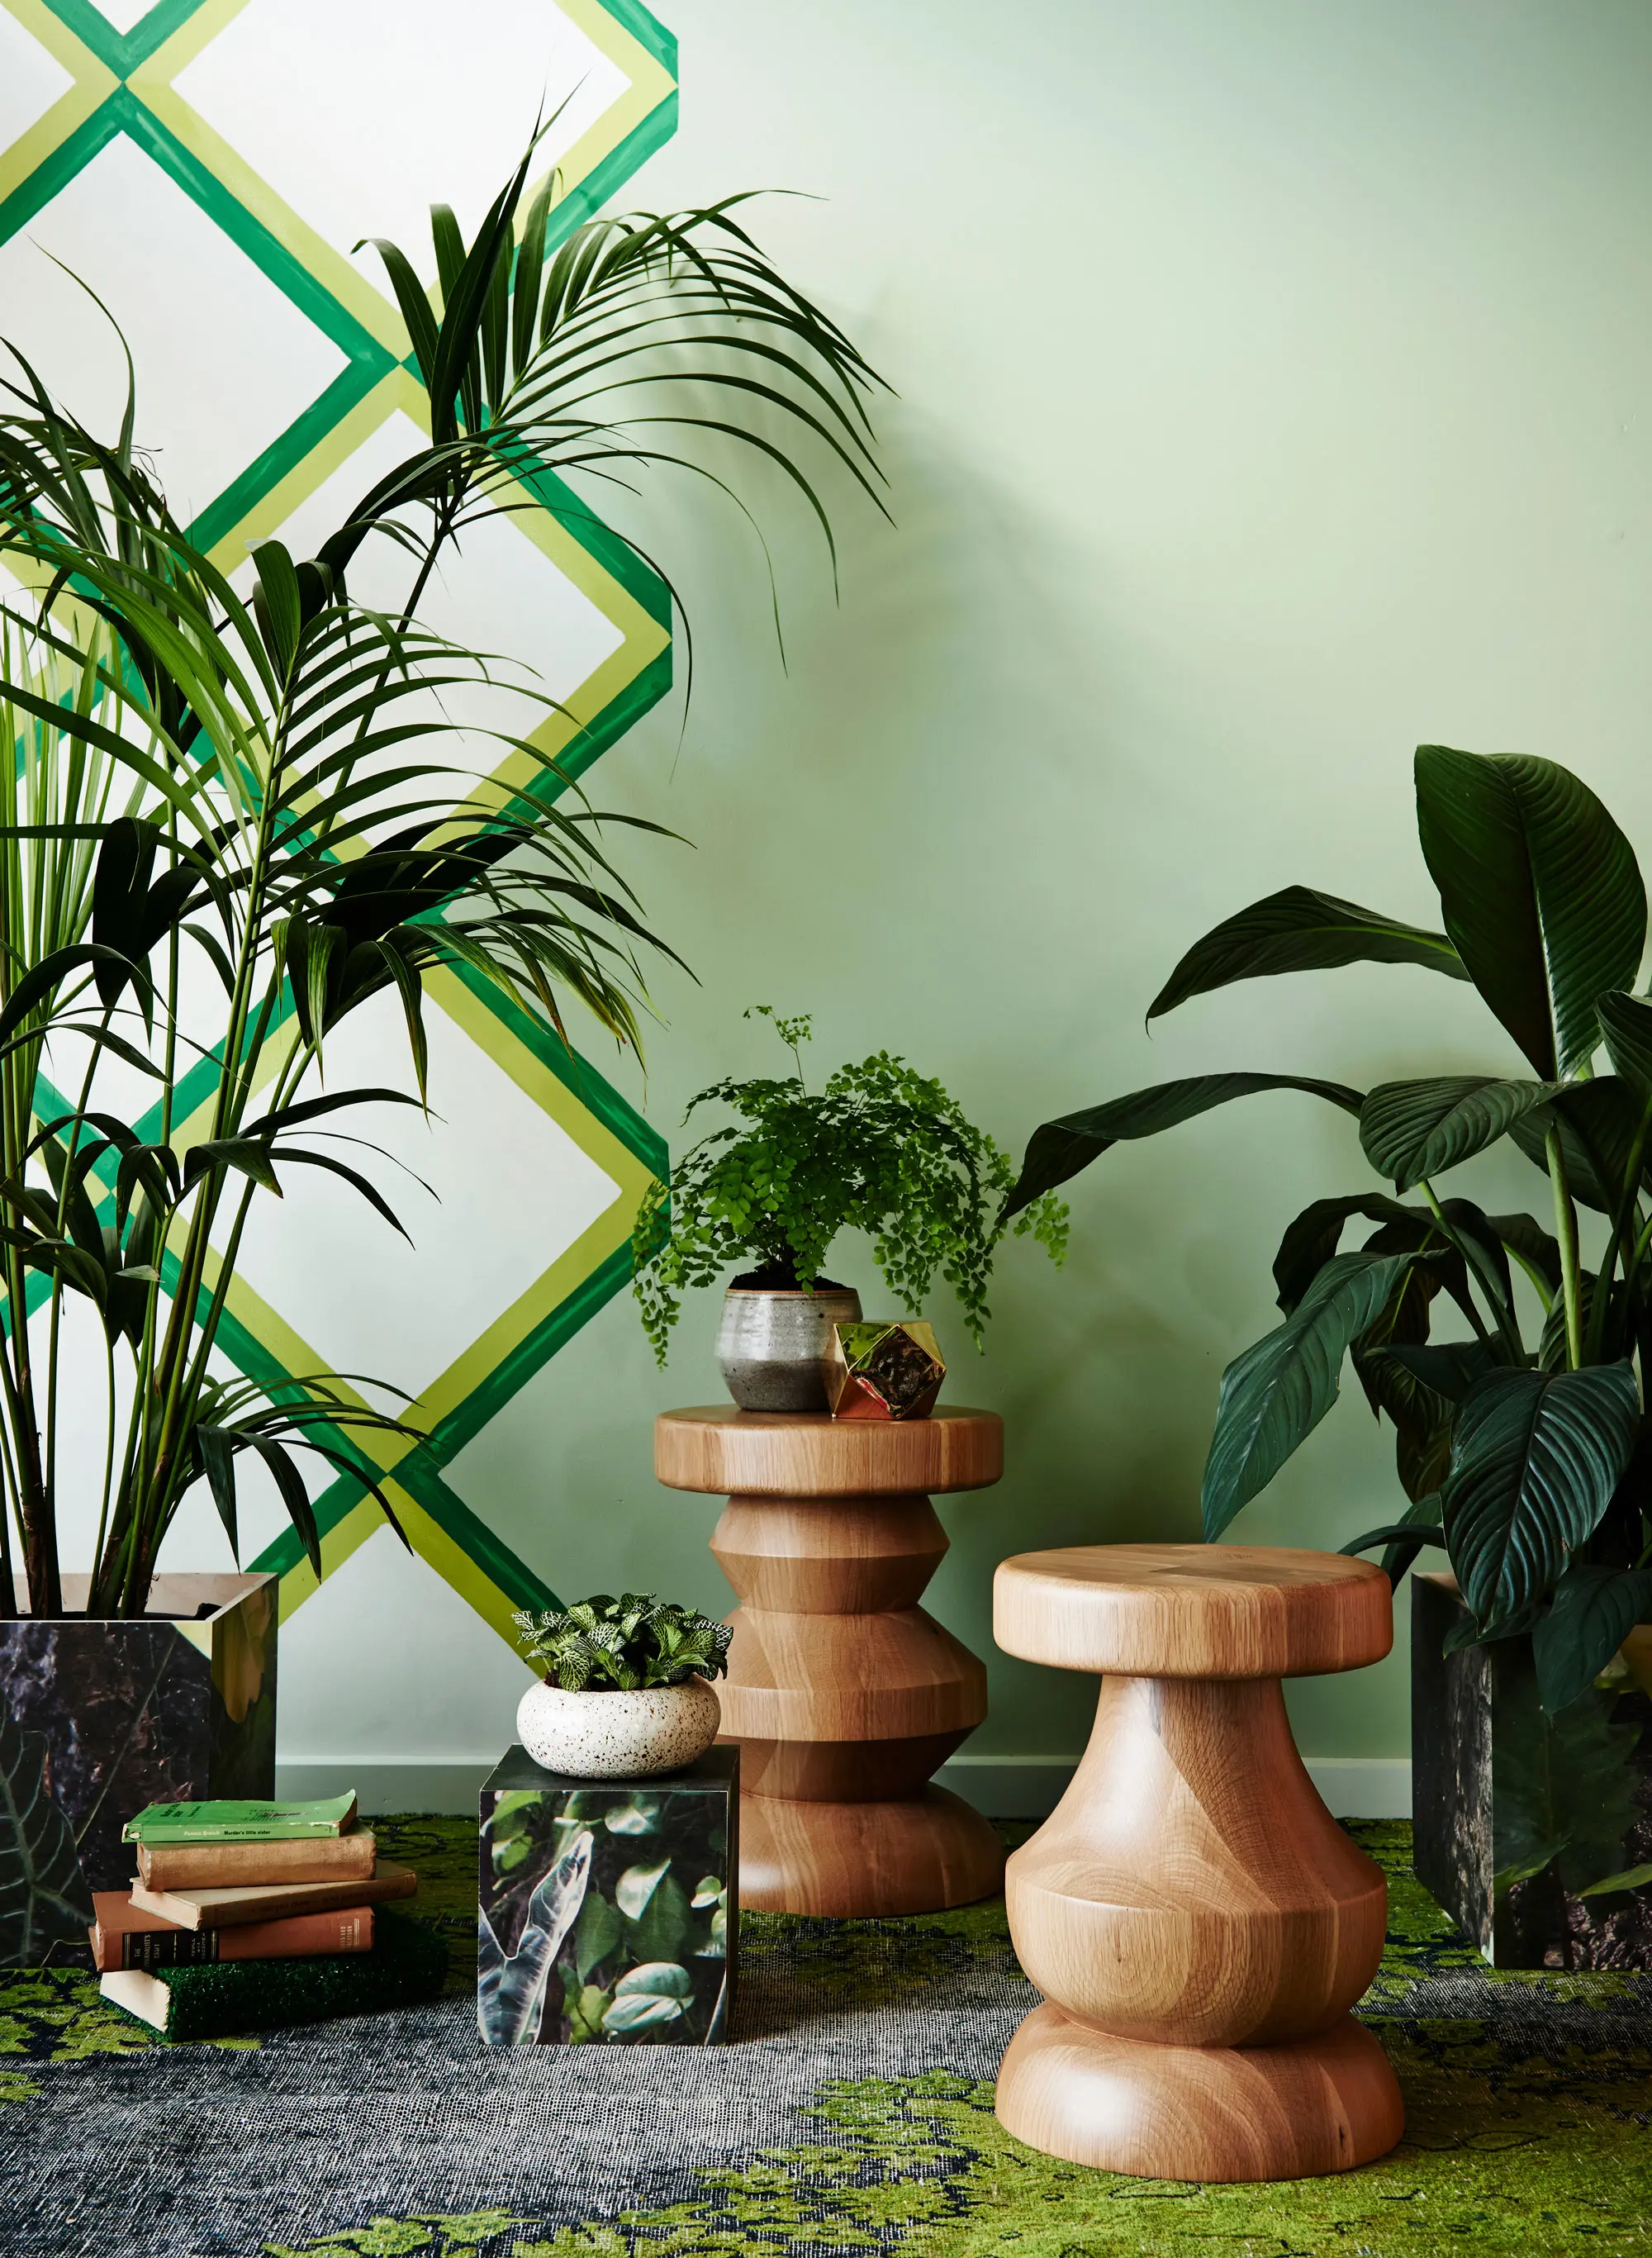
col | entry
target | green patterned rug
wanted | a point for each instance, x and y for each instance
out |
(851, 2114)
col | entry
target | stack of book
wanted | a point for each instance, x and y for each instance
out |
(243, 1915)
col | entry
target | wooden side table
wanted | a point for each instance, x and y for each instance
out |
(842, 1694)
(1198, 1922)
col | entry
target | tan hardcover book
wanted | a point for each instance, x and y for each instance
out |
(224, 1866)
(229, 1908)
(124, 1937)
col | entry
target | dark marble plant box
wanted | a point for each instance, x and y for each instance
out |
(1534, 1832)
(607, 1912)
(166, 1708)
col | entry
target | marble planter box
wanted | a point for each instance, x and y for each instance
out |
(1518, 1818)
(179, 1705)
(606, 1908)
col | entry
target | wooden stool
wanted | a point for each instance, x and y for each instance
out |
(843, 1694)
(1199, 1922)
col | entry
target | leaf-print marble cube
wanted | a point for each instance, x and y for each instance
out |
(606, 1914)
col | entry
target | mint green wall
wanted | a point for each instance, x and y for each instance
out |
(1273, 395)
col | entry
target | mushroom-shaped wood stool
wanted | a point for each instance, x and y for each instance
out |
(842, 1694)
(1198, 1920)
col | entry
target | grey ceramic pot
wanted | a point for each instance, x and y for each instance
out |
(772, 1345)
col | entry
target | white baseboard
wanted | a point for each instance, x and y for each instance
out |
(1363, 1787)
(1005, 1788)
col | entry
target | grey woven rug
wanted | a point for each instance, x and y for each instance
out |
(851, 2113)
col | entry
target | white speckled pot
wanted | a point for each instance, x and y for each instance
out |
(610, 1734)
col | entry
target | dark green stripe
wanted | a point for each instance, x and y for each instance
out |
(54, 173)
(646, 29)
(531, 1354)
(122, 52)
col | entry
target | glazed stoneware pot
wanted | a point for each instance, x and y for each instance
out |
(774, 1345)
(611, 1735)
(174, 1706)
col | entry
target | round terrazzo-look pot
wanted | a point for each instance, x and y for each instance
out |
(772, 1345)
(610, 1734)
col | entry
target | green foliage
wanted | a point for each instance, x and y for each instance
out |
(264, 799)
(624, 1643)
(642, 1956)
(43, 1894)
(880, 1149)
(1523, 1447)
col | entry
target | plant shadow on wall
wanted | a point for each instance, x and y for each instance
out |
(1521, 1444)
(268, 795)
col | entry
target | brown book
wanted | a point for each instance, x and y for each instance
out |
(125, 1936)
(229, 1908)
(224, 1866)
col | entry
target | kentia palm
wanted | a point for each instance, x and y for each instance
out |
(304, 823)
(1522, 1449)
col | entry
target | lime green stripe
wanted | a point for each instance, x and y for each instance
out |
(122, 51)
(267, 250)
(646, 29)
(300, 437)
(531, 1354)
(69, 157)
(605, 180)
(576, 1075)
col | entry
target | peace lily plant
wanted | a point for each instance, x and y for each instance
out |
(1521, 1439)
(256, 792)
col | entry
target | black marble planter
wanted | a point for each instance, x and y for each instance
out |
(1519, 1817)
(179, 1705)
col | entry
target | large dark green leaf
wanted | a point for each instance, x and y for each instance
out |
(1626, 1025)
(1058, 1149)
(1315, 1234)
(1537, 1251)
(1540, 892)
(1279, 1391)
(1599, 1121)
(511, 1993)
(44, 1899)
(1298, 930)
(1421, 1420)
(1594, 1611)
(1411, 1130)
(1535, 1458)
(1447, 1368)
(1565, 1784)
(1403, 1540)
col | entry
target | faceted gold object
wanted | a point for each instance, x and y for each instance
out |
(883, 1369)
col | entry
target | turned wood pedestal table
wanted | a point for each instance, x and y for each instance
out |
(1198, 1922)
(842, 1694)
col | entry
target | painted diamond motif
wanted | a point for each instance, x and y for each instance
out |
(129, 148)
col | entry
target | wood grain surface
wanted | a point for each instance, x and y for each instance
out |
(851, 1860)
(829, 1556)
(1321, 2105)
(1199, 1922)
(1194, 1610)
(842, 1692)
(801, 1454)
(1191, 1886)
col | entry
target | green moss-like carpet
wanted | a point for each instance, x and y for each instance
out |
(851, 2114)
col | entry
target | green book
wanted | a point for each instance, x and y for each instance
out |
(220, 1999)
(240, 1822)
